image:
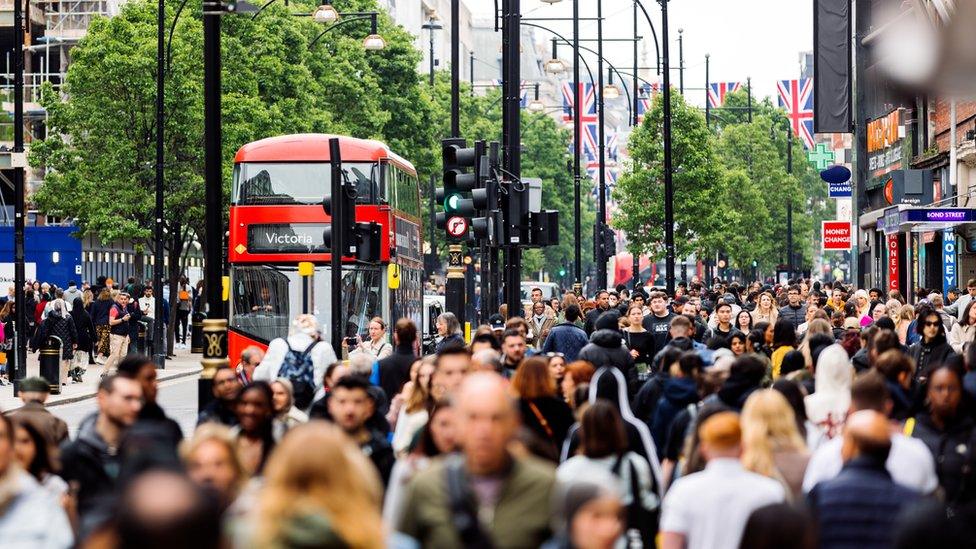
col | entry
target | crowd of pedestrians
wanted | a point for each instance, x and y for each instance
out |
(93, 325)
(726, 416)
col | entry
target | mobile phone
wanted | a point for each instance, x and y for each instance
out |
(351, 342)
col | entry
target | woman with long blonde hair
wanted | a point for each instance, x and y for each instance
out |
(771, 442)
(318, 483)
(765, 309)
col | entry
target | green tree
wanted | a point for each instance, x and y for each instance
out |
(700, 223)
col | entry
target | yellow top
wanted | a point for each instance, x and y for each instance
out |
(777, 358)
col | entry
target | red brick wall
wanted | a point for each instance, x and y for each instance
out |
(965, 119)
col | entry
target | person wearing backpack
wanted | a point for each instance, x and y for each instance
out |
(184, 305)
(301, 358)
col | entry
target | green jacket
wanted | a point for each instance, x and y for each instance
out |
(521, 517)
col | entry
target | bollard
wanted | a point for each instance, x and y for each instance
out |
(214, 335)
(141, 338)
(50, 363)
(196, 333)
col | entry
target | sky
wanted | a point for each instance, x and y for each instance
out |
(761, 39)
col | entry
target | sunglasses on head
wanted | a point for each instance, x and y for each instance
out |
(554, 355)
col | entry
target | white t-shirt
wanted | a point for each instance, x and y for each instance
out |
(148, 306)
(910, 464)
(711, 508)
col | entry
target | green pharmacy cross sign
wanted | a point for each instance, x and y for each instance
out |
(821, 157)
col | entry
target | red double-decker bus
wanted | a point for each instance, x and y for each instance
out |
(277, 222)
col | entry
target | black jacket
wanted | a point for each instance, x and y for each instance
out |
(453, 339)
(860, 507)
(589, 324)
(954, 450)
(218, 412)
(606, 349)
(395, 369)
(60, 327)
(556, 413)
(928, 355)
(151, 412)
(88, 462)
(85, 329)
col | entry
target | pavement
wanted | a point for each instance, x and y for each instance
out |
(184, 365)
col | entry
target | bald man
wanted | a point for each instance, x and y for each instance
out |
(502, 498)
(861, 506)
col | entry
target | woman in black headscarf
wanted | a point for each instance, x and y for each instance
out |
(86, 338)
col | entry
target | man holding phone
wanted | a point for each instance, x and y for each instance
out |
(118, 323)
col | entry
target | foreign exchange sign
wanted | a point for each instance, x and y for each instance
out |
(948, 261)
(836, 235)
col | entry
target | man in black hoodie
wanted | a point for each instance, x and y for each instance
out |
(606, 348)
(659, 321)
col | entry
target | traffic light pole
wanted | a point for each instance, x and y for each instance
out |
(20, 318)
(601, 256)
(336, 246)
(511, 127)
(454, 300)
(668, 172)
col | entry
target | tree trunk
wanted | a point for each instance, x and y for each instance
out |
(139, 264)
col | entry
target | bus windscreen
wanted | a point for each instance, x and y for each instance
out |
(290, 183)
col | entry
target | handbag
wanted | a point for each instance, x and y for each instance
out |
(641, 522)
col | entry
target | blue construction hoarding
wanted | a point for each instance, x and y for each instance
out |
(53, 253)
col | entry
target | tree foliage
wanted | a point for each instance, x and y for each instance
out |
(731, 185)
(697, 178)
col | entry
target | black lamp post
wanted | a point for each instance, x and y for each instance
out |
(430, 26)
(668, 174)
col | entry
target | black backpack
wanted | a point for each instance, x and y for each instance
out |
(297, 368)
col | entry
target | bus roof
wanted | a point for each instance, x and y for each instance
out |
(314, 147)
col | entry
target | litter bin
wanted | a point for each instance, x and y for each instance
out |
(196, 333)
(50, 362)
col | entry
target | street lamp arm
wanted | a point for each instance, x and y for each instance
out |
(266, 4)
(339, 24)
(657, 47)
(172, 30)
(565, 41)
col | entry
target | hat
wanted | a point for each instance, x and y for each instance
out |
(497, 322)
(35, 385)
(852, 322)
(639, 292)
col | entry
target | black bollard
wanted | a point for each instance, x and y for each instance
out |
(50, 362)
(196, 332)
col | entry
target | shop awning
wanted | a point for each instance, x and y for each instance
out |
(897, 219)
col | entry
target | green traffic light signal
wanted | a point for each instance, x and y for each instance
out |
(452, 202)
(562, 272)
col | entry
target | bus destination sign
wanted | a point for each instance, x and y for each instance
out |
(286, 238)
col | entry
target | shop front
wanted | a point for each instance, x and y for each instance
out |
(920, 247)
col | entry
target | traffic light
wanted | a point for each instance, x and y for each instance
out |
(359, 240)
(604, 238)
(489, 223)
(460, 177)
(544, 228)
(343, 207)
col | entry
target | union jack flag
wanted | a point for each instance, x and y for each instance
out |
(587, 116)
(718, 90)
(796, 96)
(613, 146)
(645, 100)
